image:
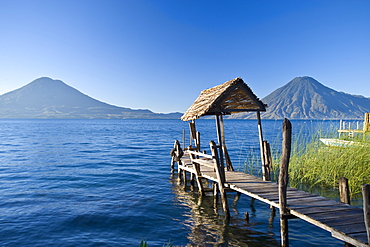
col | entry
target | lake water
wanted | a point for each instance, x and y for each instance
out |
(108, 183)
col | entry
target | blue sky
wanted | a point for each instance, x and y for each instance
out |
(159, 54)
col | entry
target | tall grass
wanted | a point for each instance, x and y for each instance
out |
(314, 164)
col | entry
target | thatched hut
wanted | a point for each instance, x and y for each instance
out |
(230, 97)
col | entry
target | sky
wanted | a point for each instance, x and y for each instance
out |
(159, 54)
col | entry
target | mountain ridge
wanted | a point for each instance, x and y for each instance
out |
(48, 98)
(301, 98)
(306, 98)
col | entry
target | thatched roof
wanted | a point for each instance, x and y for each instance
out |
(231, 97)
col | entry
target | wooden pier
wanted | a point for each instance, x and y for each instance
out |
(343, 221)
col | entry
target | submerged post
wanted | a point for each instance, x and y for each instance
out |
(219, 136)
(220, 172)
(366, 198)
(228, 163)
(344, 190)
(283, 181)
(268, 160)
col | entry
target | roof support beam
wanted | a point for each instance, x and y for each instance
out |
(260, 135)
(219, 136)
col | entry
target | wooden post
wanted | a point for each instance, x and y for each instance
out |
(268, 161)
(260, 135)
(219, 137)
(367, 122)
(197, 141)
(184, 178)
(344, 190)
(193, 132)
(197, 174)
(173, 159)
(366, 199)
(220, 172)
(283, 181)
(183, 137)
(229, 165)
(177, 150)
(215, 194)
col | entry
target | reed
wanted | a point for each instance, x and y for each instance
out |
(144, 243)
(314, 164)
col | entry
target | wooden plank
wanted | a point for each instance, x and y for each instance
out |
(328, 215)
(283, 181)
(314, 210)
(348, 239)
(360, 236)
(343, 221)
(352, 228)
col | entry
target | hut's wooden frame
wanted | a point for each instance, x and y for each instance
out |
(230, 97)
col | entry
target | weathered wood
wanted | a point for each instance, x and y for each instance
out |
(283, 181)
(367, 122)
(260, 136)
(229, 165)
(192, 131)
(219, 137)
(332, 216)
(184, 178)
(220, 172)
(344, 190)
(172, 158)
(215, 193)
(366, 199)
(197, 142)
(183, 137)
(267, 161)
(197, 177)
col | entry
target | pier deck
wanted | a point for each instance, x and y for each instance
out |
(343, 221)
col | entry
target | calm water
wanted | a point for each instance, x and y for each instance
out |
(108, 183)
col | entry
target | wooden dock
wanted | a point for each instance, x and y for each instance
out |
(346, 223)
(343, 221)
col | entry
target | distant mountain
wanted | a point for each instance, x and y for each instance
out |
(48, 98)
(306, 98)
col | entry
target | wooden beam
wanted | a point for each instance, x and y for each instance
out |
(268, 161)
(219, 137)
(220, 173)
(344, 190)
(283, 181)
(260, 135)
(229, 165)
(366, 199)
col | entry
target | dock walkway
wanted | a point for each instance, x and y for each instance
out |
(343, 221)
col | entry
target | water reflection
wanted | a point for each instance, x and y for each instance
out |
(208, 226)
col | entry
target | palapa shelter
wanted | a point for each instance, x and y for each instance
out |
(230, 97)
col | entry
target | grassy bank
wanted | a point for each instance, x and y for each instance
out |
(314, 164)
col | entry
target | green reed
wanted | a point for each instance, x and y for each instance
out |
(314, 164)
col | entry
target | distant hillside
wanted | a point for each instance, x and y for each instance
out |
(306, 98)
(47, 98)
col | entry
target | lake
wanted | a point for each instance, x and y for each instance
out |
(108, 183)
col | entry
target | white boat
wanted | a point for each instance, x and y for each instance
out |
(339, 143)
